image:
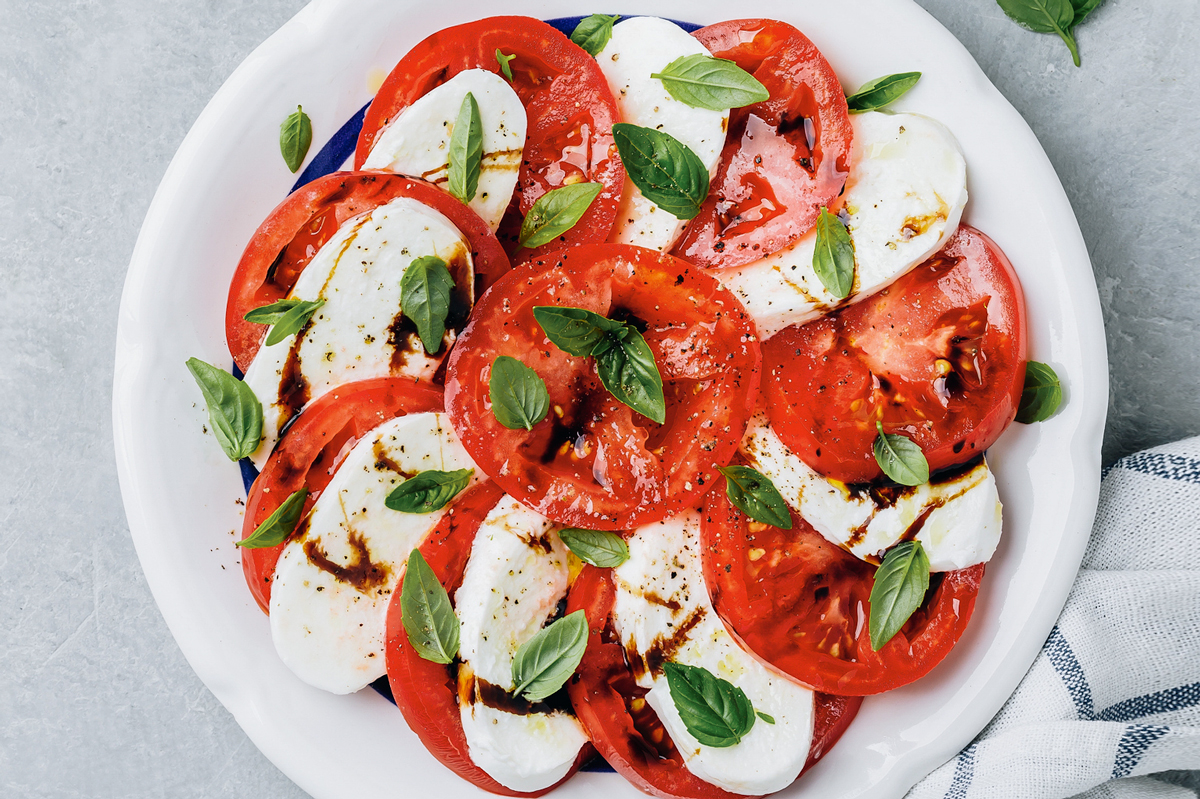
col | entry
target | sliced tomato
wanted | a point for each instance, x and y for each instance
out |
(939, 356)
(802, 604)
(625, 730)
(784, 158)
(568, 104)
(593, 462)
(427, 692)
(289, 238)
(311, 451)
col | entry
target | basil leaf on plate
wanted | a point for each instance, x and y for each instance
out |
(425, 299)
(466, 151)
(545, 662)
(717, 84)
(881, 92)
(503, 60)
(900, 458)
(276, 528)
(665, 169)
(574, 330)
(627, 369)
(235, 413)
(900, 585)
(754, 495)
(833, 256)
(593, 32)
(519, 397)
(1045, 16)
(295, 137)
(1041, 395)
(715, 711)
(426, 611)
(765, 717)
(292, 321)
(428, 491)
(272, 313)
(597, 547)
(556, 212)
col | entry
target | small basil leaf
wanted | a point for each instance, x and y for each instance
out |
(503, 60)
(428, 491)
(881, 92)
(519, 397)
(717, 84)
(545, 662)
(593, 32)
(466, 151)
(715, 711)
(599, 548)
(428, 616)
(754, 495)
(1042, 394)
(556, 212)
(235, 413)
(425, 299)
(1045, 16)
(573, 330)
(627, 369)
(292, 321)
(666, 171)
(270, 314)
(295, 137)
(1082, 9)
(765, 717)
(900, 458)
(900, 585)
(833, 256)
(279, 525)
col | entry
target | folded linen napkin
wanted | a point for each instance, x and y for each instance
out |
(1115, 692)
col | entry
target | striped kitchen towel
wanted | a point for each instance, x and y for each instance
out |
(1115, 693)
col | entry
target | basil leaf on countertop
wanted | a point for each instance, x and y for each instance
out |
(547, 660)
(833, 255)
(1041, 395)
(881, 92)
(295, 137)
(235, 413)
(597, 547)
(503, 60)
(900, 585)
(593, 32)
(1045, 16)
(1082, 9)
(900, 458)
(663, 168)
(428, 491)
(466, 151)
(425, 292)
(428, 616)
(276, 528)
(627, 369)
(556, 212)
(519, 397)
(717, 84)
(754, 495)
(715, 711)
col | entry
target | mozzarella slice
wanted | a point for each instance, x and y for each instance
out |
(957, 521)
(903, 200)
(640, 47)
(359, 332)
(331, 589)
(513, 582)
(662, 612)
(417, 142)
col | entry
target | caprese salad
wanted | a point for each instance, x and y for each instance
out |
(627, 396)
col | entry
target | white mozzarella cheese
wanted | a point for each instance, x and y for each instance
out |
(331, 589)
(417, 142)
(515, 577)
(357, 333)
(640, 47)
(903, 200)
(661, 609)
(958, 521)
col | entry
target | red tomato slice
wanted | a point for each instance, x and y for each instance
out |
(593, 462)
(290, 237)
(569, 107)
(802, 604)
(427, 692)
(623, 727)
(939, 356)
(784, 157)
(311, 451)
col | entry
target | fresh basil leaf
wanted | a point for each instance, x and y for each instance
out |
(597, 547)
(503, 60)
(270, 314)
(466, 151)
(754, 495)
(666, 171)
(833, 256)
(292, 321)
(593, 32)
(1082, 9)
(765, 717)
(295, 137)
(1041, 395)
(1045, 16)
(545, 662)
(519, 397)
(425, 299)
(900, 458)
(556, 212)
(627, 369)
(428, 616)
(235, 413)
(881, 92)
(717, 84)
(715, 711)
(900, 585)
(573, 330)
(428, 491)
(276, 528)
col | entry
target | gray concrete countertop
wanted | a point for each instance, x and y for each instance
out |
(95, 698)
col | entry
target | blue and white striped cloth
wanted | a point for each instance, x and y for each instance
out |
(1115, 693)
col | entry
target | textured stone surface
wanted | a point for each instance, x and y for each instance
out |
(95, 698)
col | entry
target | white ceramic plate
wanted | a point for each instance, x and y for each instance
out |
(183, 497)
